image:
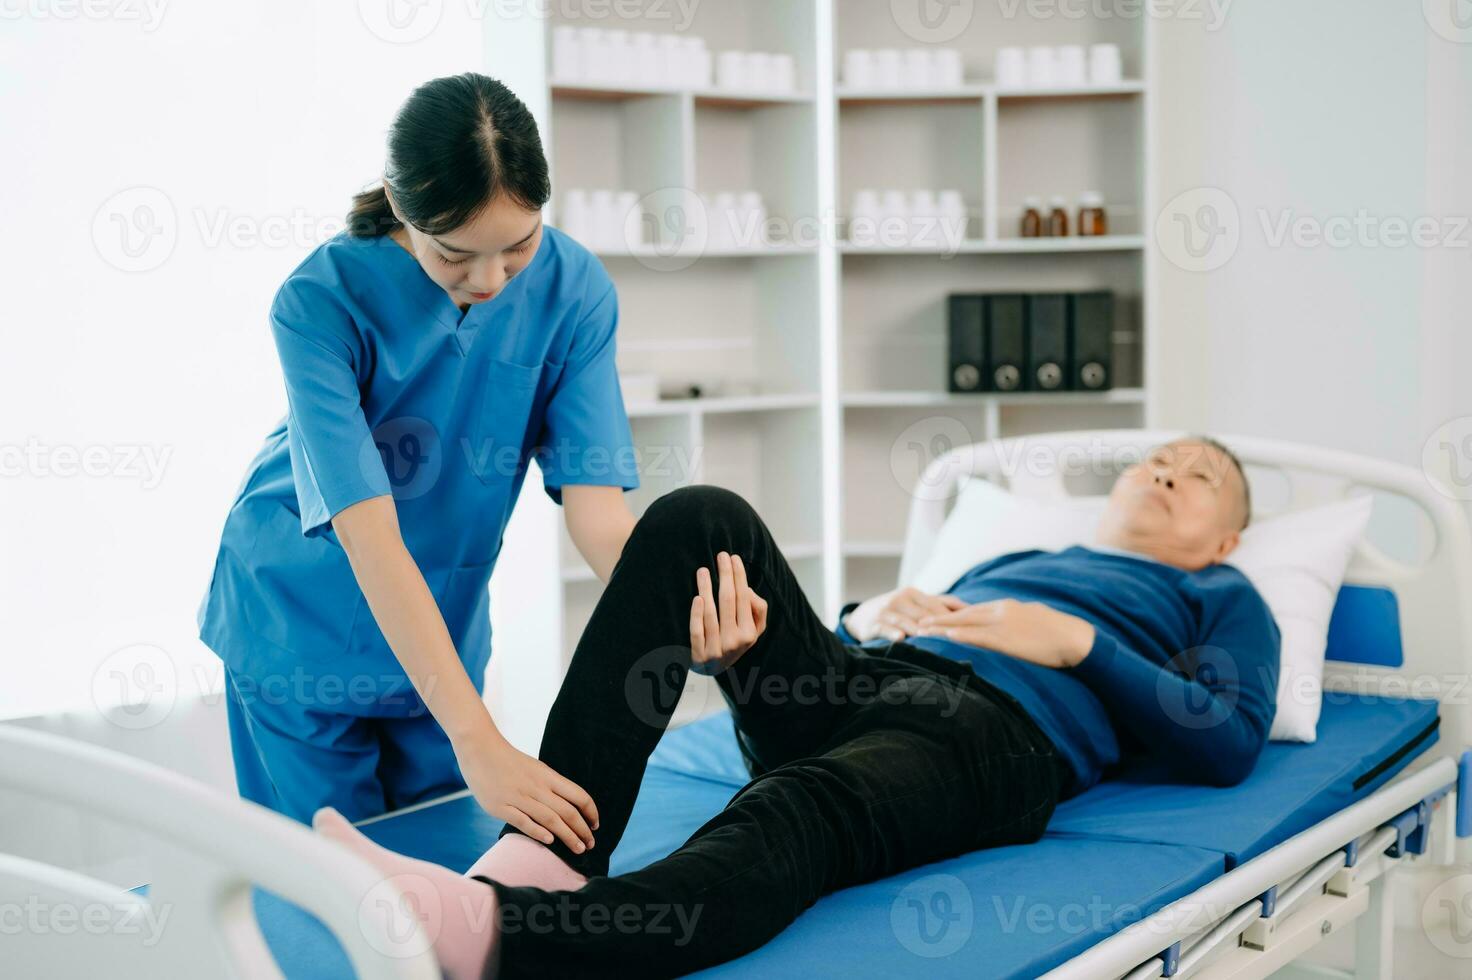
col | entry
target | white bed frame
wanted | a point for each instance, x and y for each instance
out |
(1267, 912)
(211, 848)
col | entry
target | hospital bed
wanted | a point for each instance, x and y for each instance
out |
(1135, 878)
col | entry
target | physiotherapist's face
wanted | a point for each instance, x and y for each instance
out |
(474, 262)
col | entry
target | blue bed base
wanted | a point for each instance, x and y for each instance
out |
(1112, 856)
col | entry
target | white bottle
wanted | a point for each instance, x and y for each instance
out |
(954, 218)
(1073, 71)
(670, 55)
(620, 56)
(888, 68)
(924, 219)
(576, 214)
(1104, 64)
(595, 55)
(697, 63)
(1042, 67)
(784, 74)
(894, 218)
(917, 72)
(644, 50)
(631, 223)
(751, 227)
(732, 73)
(607, 222)
(858, 68)
(948, 69)
(567, 55)
(1011, 68)
(723, 222)
(863, 217)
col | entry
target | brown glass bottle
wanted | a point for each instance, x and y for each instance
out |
(1057, 219)
(1032, 218)
(1091, 219)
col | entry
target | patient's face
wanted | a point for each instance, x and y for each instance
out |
(1184, 505)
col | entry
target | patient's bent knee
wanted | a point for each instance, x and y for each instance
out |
(696, 508)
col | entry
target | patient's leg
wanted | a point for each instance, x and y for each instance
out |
(630, 665)
(929, 774)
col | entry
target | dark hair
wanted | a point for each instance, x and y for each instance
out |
(455, 145)
(1246, 487)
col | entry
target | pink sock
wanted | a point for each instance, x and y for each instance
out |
(518, 860)
(457, 914)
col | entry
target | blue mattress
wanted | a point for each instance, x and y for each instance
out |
(1111, 856)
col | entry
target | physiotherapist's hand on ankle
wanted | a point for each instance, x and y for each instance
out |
(724, 626)
(1032, 631)
(528, 794)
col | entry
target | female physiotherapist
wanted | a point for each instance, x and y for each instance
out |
(430, 351)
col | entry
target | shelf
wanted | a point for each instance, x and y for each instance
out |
(921, 399)
(975, 91)
(964, 93)
(704, 96)
(1126, 87)
(740, 252)
(722, 405)
(978, 246)
(873, 548)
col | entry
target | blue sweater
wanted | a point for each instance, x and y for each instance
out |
(1184, 665)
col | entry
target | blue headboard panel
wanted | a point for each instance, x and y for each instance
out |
(1365, 627)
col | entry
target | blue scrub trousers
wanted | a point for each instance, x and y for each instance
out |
(294, 760)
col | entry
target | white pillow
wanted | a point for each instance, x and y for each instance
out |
(988, 521)
(1296, 561)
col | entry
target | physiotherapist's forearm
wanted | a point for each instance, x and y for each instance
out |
(599, 522)
(410, 619)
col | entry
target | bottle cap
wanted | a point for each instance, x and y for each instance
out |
(1091, 199)
(1057, 201)
(1035, 203)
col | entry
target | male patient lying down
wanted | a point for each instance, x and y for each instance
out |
(983, 709)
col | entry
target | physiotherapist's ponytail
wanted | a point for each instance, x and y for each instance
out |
(457, 143)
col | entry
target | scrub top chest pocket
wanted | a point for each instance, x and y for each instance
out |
(509, 401)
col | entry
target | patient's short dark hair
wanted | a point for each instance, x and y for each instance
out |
(1241, 471)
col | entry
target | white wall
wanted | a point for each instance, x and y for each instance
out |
(249, 126)
(1318, 109)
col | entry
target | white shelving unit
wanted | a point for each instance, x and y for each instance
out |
(821, 362)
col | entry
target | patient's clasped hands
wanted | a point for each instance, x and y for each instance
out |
(1032, 631)
(724, 626)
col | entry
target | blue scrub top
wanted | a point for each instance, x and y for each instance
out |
(392, 389)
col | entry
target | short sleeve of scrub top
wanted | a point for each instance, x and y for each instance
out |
(585, 437)
(334, 462)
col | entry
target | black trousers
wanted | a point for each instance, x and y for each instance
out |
(865, 762)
